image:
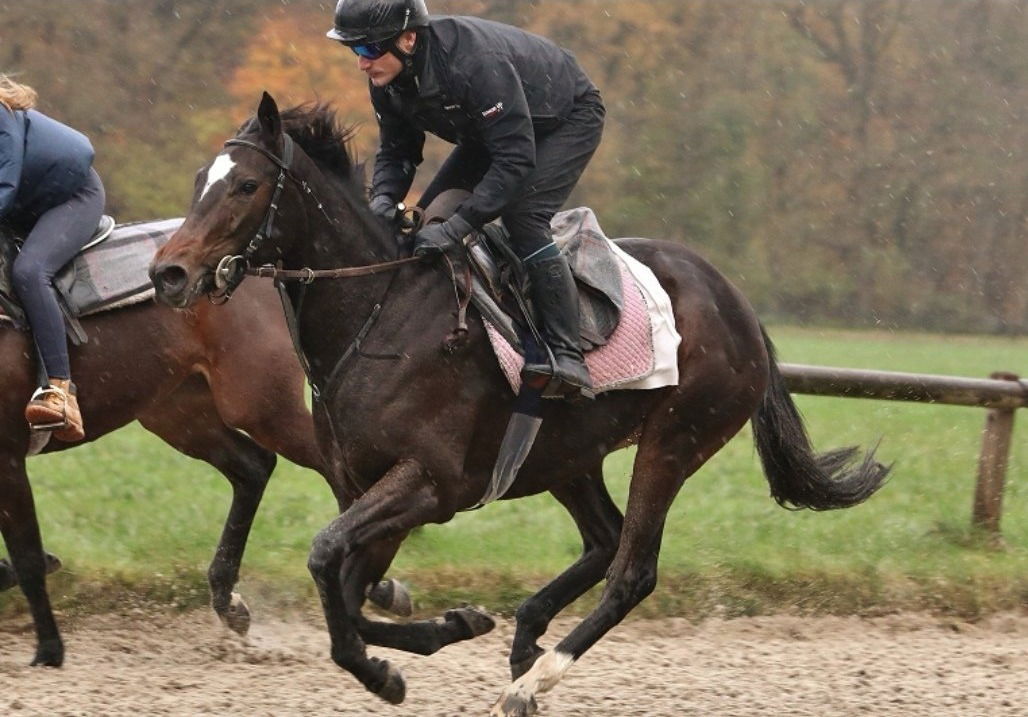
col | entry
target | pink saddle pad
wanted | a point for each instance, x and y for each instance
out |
(626, 357)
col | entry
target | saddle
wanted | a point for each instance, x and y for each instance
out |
(499, 287)
(110, 271)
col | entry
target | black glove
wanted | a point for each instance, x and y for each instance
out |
(439, 238)
(385, 209)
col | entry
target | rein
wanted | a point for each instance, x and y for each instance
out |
(308, 275)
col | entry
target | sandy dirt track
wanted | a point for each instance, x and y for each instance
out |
(141, 664)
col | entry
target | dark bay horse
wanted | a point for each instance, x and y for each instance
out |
(414, 429)
(196, 379)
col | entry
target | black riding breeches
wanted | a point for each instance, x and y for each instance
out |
(560, 158)
(56, 236)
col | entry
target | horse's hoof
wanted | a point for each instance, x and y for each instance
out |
(50, 653)
(7, 577)
(236, 617)
(394, 688)
(392, 596)
(53, 563)
(514, 706)
(474, 622)
(520, 667)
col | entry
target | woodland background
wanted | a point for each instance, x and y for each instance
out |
(845, 162)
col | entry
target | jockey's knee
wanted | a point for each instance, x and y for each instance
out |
(528, 238)
(27, 274)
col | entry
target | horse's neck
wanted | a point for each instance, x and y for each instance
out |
(334, 312)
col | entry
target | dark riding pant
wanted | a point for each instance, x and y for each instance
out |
(56, 236)
(561, 156)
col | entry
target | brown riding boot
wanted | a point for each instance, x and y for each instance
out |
(55, 408)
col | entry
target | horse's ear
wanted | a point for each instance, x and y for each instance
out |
(269, 118)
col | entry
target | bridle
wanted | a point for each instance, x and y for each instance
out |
(232, 269)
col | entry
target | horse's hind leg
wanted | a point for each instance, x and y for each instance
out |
(599, 521)
(674, 444)
(20, 529)
(189, 422)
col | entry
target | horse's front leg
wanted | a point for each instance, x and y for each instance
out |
(399, 501)
(365, 566)
(190, 423)
(21, 534)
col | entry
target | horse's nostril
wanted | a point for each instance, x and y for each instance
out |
(170, 279)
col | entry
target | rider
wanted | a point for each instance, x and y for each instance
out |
(50, 193)
(525, 120)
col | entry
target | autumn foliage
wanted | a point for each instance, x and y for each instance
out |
(858, 162)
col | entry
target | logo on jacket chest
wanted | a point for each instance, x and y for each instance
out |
(493, 111)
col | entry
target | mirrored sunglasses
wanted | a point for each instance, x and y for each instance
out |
(371, 50)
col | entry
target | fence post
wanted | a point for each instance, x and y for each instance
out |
(992, 465)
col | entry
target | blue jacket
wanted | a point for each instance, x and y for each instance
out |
(42, 162)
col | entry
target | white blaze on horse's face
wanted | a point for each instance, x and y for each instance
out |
(219, 170)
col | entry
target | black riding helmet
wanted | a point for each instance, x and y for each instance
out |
(359, 22)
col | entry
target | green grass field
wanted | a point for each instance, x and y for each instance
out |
(132, 518)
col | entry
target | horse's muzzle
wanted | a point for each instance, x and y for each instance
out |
(171, 282)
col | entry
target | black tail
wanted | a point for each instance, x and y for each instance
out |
(798, 477)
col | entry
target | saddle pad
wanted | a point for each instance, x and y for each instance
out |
(113, 273)
(642, 353)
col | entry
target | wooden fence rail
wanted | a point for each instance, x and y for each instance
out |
(1002, 393)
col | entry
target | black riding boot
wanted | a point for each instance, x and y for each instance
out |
(556, 302)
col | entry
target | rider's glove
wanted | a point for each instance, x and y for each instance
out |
(439, 238)
(385, 209)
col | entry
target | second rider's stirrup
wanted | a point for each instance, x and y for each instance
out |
(55, 408)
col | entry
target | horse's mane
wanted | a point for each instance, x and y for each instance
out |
(316, 128)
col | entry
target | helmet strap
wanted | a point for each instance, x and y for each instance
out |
(407, 58)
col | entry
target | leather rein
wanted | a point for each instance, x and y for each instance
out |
(232, 269)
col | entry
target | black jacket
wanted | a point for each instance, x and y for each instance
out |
(42, 162)
(480, 83)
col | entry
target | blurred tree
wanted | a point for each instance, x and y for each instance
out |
(847, 161)
(152, 85)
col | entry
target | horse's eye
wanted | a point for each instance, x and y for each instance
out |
(248, 187)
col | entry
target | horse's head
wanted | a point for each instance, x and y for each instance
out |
(239, 203)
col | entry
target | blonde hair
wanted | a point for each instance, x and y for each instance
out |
(14, 95)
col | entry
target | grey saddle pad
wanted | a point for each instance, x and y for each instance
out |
(114, 272)
(103, 276)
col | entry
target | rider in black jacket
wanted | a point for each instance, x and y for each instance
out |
(525, 120)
